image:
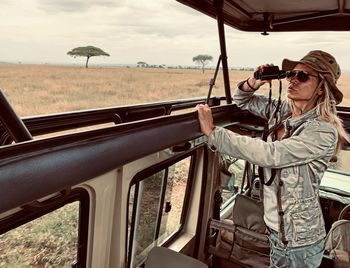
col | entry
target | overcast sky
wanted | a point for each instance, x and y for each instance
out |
(154, 31)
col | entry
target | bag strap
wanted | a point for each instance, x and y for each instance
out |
(245, 176)
(281, 212)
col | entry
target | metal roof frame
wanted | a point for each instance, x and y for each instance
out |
(278, 15)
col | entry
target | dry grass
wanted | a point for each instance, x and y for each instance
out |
(49, 241)
(43, 89)
(38, 89)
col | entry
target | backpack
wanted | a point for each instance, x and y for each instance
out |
(243, 242)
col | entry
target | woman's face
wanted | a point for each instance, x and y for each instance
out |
(303, 91)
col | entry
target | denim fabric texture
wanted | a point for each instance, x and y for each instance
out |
(298, 257)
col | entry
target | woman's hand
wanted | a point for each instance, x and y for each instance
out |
(205, 118)
(255, 84)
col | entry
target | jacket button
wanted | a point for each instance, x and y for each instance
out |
(289, 128)
(280, 183)
(281, 213)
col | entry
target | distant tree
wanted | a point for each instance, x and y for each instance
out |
(202, 60)
(142, 64)
(88, 52)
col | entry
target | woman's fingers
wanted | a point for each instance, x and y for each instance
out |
(205, 118)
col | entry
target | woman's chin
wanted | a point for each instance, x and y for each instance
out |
(290, 95)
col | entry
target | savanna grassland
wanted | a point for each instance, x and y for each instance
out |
(46, 89)
(43, 89)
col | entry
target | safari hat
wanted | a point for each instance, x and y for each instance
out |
(323, 63)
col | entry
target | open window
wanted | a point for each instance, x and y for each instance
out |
(157, 204)
(49, 232)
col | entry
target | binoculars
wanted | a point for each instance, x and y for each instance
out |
(269, 73)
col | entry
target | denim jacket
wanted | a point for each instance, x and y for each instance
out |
(301, 157)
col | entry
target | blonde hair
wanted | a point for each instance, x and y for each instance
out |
(327, 110)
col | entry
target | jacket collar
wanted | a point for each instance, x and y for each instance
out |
(293, 123)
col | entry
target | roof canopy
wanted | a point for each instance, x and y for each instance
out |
(279, 15)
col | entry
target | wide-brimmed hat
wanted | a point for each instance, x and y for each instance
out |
(323, 63)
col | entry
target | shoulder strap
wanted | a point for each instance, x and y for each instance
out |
(262, 177)
(245, 172)
(280, 211)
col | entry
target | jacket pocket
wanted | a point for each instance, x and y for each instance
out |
(307, 225)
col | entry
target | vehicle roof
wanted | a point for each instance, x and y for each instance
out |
(279, 15)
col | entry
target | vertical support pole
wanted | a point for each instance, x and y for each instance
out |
(220, 20)
(12, 123)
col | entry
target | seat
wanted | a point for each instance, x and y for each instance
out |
(344, 213)
(160, 257)
(337, 242)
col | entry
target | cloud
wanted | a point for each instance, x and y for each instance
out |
(162, 19)
(76, 5)
(123, 18)
(157, 31)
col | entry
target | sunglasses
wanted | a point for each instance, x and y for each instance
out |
(302, 76)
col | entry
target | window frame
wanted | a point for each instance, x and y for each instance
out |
(37, 209)
(146, 173)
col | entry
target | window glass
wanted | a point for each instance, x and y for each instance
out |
(158, 201)
(130, 209)
(146, 215)
(48, 241)
(174, 199)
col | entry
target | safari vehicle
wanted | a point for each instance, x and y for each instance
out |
(148, 179)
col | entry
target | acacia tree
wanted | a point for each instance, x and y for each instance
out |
(88, 52)
(142, 64)
(202, 60)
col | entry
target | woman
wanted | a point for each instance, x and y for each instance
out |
(307, 135)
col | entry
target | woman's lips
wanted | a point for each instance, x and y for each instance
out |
(291, 89)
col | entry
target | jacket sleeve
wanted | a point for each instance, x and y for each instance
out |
(255, 103)
(316, 141)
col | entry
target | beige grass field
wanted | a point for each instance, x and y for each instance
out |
(43, 89)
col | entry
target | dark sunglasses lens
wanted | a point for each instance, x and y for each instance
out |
(303, 76)
(290, 74)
